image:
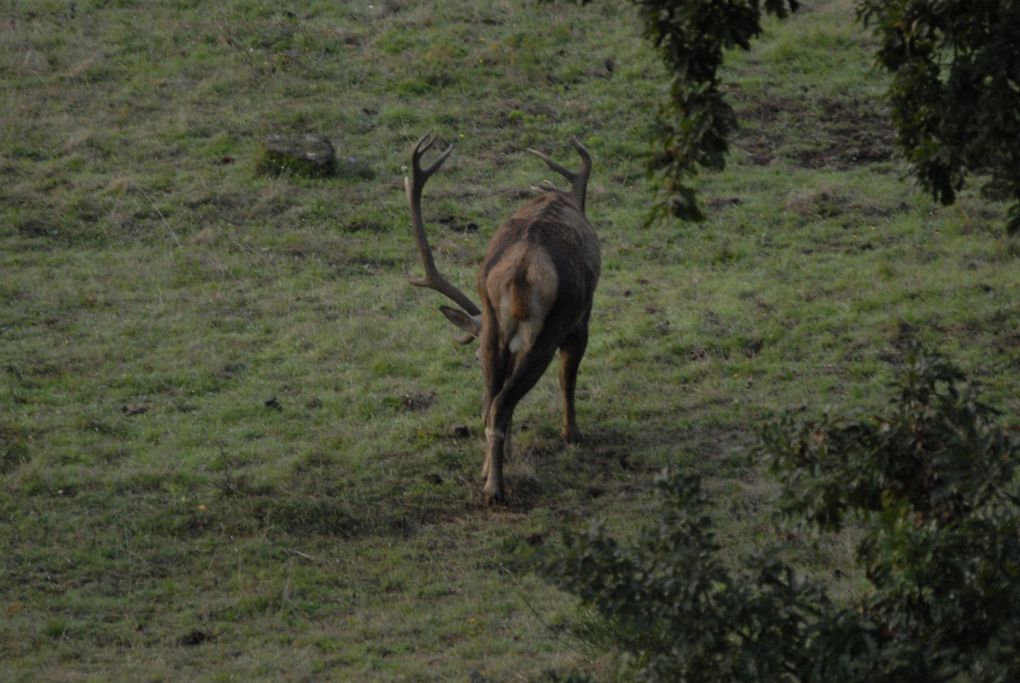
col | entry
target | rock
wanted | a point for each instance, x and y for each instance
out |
(356, 169)
(308, 155)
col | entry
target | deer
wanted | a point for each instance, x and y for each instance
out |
(536, 284)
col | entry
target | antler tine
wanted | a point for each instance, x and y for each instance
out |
(580, 185)
(424, 145)
(433, 278)
(569, 175)
(585, 157)
(543, 186)
(579, 180)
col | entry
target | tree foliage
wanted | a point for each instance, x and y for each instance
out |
(931, 487)
(955, 93)
(692, 129)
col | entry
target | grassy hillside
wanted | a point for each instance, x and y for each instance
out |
(164, 518)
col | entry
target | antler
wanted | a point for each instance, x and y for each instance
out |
(579, 180)
(433, 278)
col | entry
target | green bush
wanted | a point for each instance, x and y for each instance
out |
(931, 487)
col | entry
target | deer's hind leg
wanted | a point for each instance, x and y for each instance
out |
(571, 353)
(528, 367)
(495, 366)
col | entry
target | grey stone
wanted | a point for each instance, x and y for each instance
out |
(310, 155)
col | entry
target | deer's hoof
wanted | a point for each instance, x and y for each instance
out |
(572, 436)
(494, 497)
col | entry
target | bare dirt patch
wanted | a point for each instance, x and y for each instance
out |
(821, 133)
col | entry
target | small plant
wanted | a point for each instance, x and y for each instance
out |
(932, 487)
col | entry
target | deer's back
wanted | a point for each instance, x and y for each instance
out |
(556, 236)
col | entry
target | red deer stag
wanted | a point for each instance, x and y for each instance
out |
(536, 286)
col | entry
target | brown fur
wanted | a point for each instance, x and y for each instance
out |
(520, 293)
(536, 284)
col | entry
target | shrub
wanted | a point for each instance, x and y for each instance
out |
(932, 488)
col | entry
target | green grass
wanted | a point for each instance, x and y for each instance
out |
(160, 521)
